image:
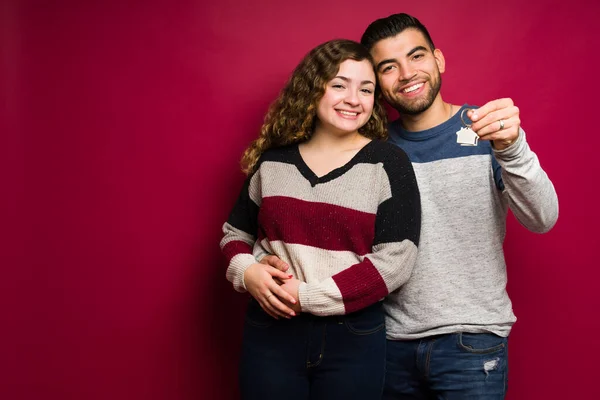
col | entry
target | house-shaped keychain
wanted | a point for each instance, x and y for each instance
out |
(466, 137)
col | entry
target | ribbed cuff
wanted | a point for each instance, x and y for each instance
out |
(514, 149)
(314, 300)
(235, 272)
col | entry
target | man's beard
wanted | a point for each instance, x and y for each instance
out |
(417, 107)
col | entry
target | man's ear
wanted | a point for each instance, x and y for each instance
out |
(440, 60)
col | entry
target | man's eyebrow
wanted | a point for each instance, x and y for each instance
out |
(393, 60)
(386, 61)
(418, 48)
(348, 80)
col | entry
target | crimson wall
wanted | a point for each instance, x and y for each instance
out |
(122, 124)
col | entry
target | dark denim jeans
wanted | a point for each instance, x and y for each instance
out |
(460, 366)
(310, 357)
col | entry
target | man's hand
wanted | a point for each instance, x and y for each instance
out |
(275, 262)
(497, 120)
(259, 280)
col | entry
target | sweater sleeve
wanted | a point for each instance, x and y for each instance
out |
(240, 234)
(393, 254)
(527, 188)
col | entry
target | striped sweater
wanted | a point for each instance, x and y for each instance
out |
(459, 281)
(350, 236)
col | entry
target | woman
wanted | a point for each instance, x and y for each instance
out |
(342, 209)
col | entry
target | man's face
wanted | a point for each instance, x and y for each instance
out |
(408, 71)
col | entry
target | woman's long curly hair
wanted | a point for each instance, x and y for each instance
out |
(291, 118)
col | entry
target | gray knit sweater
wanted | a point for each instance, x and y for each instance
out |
(459, 281)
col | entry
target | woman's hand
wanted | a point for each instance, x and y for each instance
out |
(259, 280)
(291, 286)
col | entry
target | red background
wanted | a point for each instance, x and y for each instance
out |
(122, 126)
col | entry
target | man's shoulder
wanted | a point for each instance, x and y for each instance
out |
(388, 151)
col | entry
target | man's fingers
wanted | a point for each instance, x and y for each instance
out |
(275, 273)
(488, 108)
(492, 131)
(279, 264)
(268, 260)
(275, 262)
(491, 119)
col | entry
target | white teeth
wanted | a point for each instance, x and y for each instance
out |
(351, 114)
(412, 88)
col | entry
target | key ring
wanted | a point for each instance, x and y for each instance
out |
(461, 117)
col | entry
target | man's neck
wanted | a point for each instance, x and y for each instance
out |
(437, 114)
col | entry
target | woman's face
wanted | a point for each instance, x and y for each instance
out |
(348, 100)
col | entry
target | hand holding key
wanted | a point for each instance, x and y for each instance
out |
(497, 120)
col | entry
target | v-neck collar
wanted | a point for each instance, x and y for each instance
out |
(313, 179)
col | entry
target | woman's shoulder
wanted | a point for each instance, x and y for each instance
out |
(283, 154)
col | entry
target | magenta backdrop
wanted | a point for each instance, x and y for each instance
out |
(122, 126)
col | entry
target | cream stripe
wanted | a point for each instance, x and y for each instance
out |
(394, 261)
(311, 264)
(281, 179)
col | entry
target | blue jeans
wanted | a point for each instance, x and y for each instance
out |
(310, 357)
(459, 366)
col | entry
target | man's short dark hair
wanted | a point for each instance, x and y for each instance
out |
(391, 26)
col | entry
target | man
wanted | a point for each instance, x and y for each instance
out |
(448, 326)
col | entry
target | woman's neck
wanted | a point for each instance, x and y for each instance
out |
(326, 141)
(323, 153)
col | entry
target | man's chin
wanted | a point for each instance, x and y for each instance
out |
(414, 109)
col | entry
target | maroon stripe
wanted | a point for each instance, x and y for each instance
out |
(234, 248)
(361, 285)
(320, 225)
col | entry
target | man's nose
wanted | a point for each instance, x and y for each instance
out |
(407, 72)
